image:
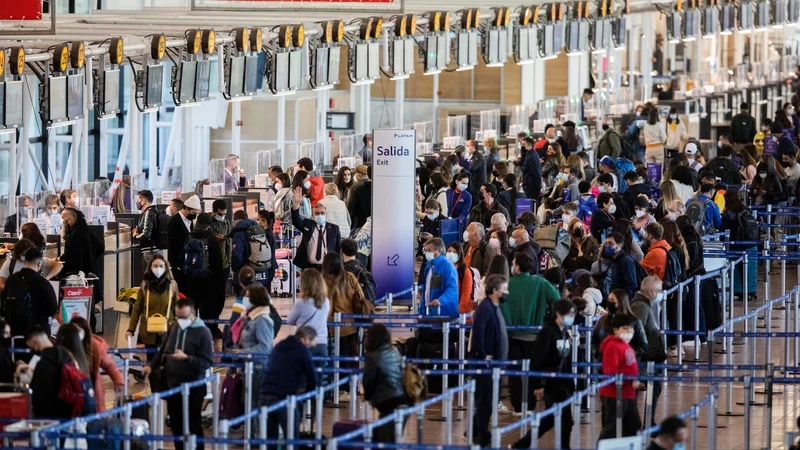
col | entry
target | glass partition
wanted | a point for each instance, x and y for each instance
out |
(172, 185)
(349, 150)
(32, 208)
(424, 132)
(314, 151)
(138, 183)
(547, 114)
(453, 131)
(264, 160)
(520, 119)
(490, 124)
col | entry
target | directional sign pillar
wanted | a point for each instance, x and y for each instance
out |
(394, 155)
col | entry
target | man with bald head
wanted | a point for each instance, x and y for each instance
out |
(642, 307)
(499, 222)
(521, 242)
(477, 252)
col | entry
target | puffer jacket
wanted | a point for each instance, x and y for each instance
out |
(160, 293)
(383, 375)
(257, 332)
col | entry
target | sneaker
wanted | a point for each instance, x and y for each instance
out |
(502, 409)
(519, 413)
(673, 352)
(344, 397)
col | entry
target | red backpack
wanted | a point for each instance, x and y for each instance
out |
(77, 390)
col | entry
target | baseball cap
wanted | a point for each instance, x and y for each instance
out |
(690, 149)
(607, 161)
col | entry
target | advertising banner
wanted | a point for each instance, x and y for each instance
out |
(393, 189)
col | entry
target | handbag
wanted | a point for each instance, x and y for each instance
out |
(157, 323)
(546, 237)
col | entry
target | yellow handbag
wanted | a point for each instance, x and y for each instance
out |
(157, 323)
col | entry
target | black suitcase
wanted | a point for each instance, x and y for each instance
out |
(435, 351)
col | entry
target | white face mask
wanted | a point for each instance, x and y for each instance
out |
(602, 189)
(452, 257)
(672, 216)
(219, 218)
(612, 209)
(466, 236)
(159, 271)
(429, 256)
(673, 116)
(626, 337)
(494, 243)
(184, 323)
(566, 218)
(762, 175)
(640, 213)
(462, 186)
(278, 186)
(719, 144)
(432, 216)
(512, 242)
(307, 185)
(246, 303)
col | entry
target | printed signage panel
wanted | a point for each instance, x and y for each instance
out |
(393, 209)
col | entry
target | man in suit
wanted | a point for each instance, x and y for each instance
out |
(178, 229)
(319, 237)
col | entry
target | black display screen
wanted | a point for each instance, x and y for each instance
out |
(110, 92)
(188, 70)
(155, 84)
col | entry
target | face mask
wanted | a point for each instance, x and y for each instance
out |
(790, 111)
(429, 256)
(719, 144)
(563, 177)
(456, 168)
(673, 116)
(765, 129)
(551, 140)
(626, 337)
(432, 216)
(159, 271)
(679, 446)
(307, 185)
(606, 127)
(567, 218)
(612, 209)
(465, 235)
(81, 335)
(462, 186)
(495, 173)
(278, 186)
(578, 233)
(786, 164)
(452, 257)
(220, 218)
(191, 216)
(512, 242)
(639, 213)
(672, 216)
(502, 299)
(494, 243)
(609, 252)
(320, 220)
(184, 323)
(612, 308)
(762, 175)
(568, 321)
(139, 206)
(169, 212)
(601, 189)
(246, 303)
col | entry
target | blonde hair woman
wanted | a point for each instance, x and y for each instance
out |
(576, 161)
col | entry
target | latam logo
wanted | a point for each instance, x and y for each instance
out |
(406, 135)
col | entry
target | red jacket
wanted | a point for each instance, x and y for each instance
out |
(102, 360)
(317, 189)
(618, 358)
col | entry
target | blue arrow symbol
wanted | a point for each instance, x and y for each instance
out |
(392, 260)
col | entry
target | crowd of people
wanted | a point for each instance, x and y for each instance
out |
(621, 231)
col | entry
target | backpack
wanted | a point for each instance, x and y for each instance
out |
(624, 166)
(696, 213)
(260, 251)
(748, 228)
(196, 257)
(626, 147)
(276, 320)
(160, 236)
(673, 272)
(740, 128)
(641, 274)
(586, 208)
(77, 390)
(367, 283)
(477, 287)
(415, 384)
(17, 304)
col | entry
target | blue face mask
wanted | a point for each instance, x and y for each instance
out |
(320, 220)
(679, 446)
(568, 321)
(609, 252)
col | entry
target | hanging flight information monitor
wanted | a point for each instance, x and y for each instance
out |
(235, 86)
(202, 80)
(762, 14)
(620, 32)
(794, 12)
(526, 46)
(108, 97)
(691, 24)
(153, 96)
(727, 18)
(710, 21)
(745, 17)
(778, 13)
(56, 99)
(251, 74)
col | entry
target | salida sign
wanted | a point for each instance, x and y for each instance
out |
(392, 150)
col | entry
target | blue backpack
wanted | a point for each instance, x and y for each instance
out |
(586, 208)
(624, 166)
(196, 257)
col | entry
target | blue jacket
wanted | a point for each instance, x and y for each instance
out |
(447, 293)
(486, 332)
(491, 159)
(290, 369)
(532, 176)
(240, 248)
(458, 210)
(622, 274)
(713, 216)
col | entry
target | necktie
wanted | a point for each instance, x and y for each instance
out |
(320, 242)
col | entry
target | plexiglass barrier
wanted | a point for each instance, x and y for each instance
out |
(490, 124)
(173, 184)
(547, 114)
(520, 118)
(264, 160)
(216, 179)
(138, 183)
(349, 150)
(314, 151)
(453, 130)
(32, 208)
(424, 132)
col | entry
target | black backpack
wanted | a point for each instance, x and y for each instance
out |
(367, 283)
(17, 304)
(740, 128)
(160, 237)
(196, 262)
(276, 320)
(626, 147)
(673, 272)
(748, 228)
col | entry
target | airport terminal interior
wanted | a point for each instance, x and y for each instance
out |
(323, 224)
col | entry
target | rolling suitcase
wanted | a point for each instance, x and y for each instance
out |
(343, 427)
(231, 395)
(280, 283)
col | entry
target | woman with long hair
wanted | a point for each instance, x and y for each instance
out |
(69, 337)
(346, 297)
(499, 172)
(767, 188)
(96, 351)
(121, 202)
(301, 180)
(157, 295)
(439, 192)
(583, 249)
(498, 240)
(684, 180)
(50, 267)
(571, 138)
(618, 303)
(465, 283)
(673, 236)
(344, 181)
(630, 247)
(584, 286)
(654, 138)
(507, 197)
(383, 379)
(736, 214)
(312, 309)
(694, 246)
(576, 161)
(749, 164)
(16, 262)
(668, 195)
(782, 118)
(553, 162)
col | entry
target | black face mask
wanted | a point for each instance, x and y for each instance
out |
(502, 299)
(612, 308)
(786, 164)
(606, 127)
(191, 216)
(139, 206)
(495, 173)
(578, 232)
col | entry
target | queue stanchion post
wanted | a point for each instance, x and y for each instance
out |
(126, 374)
(576, 341)
(787, 314)
(557, 427)
(697, 282)
(712, 417)
(414, 298)
(353, 396)
(748, 391)
(770, 391)
(679, 337)
(248, 401)
(495, 395)
(420, 422)
(320, 402)
(215, 403)
(471, 410)
(126, 426)
(768, 416)
(223, 432)
(618, 411)
(590, 403)
(727, 307)
(337, 352)
(797, 322)
(398, 429)
(262, 427)
(191, 442)
(648, 398)
(292, 269)
(462, 348)
(526, 366)
(291, 419)
(389, 302)
(154, 406)
(185, 392)
(750, 395)
(448, 437)
(693, 429)
(746, 288)
(535, 431)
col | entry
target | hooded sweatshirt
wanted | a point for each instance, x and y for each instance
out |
(257, 331)
(618, 358)
(655, 261)
(196, 341)
(46, 383)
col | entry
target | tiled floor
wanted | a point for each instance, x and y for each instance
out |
(676, 396)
